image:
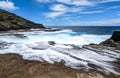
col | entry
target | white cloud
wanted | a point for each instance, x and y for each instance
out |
(105, 1)
(59, 7)
(114, 7)
(7, 5)
(64, 1)
(77, 2)
(76, 9)
(91, 12)
(109, 22)
(54, 14)
(71, 2)
(76, 6)
(63, 8)
(118, 13)
(44, 1)
(82, 3)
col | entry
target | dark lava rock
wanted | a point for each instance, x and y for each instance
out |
(3, 44)
(20, 35)
(51, 43)
(52, 29)
(114, 41)
(116, 35)
(10, 21)
(76, 47)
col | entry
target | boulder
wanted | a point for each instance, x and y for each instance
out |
(51, 43)
(116, 35)
(114, 41)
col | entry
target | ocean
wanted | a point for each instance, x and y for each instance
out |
(34, 45)
(96, 30)
(68, 35)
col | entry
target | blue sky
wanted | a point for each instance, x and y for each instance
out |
(66, 12)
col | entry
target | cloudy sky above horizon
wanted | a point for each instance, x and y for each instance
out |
(66, 12)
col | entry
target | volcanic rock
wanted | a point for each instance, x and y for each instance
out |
(114, 41)
(10, 21)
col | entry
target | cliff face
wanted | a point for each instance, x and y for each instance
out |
(114, 41)
(116, 35)
(10, 21)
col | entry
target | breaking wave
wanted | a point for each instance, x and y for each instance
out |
(63, 37)
(67, 48)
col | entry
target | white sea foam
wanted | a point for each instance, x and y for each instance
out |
(78, 59)
(36, 47)
(61, 37)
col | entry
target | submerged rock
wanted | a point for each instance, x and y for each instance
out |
(40, 46)
(76, 47)
(20, 35)
(3, 44)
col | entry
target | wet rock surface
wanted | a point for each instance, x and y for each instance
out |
(3, 45)
(86, 59)
(20, 35)
(51, 43)
(13, 66)
(116, 36)
(114, 41)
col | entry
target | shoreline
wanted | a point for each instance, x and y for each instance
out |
(13, 66)
(12, 63)
(30, 30)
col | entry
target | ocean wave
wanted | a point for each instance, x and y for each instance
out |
(68, 49)
(63, 37)
(79, 58)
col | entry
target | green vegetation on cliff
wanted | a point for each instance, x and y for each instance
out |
(10, 21)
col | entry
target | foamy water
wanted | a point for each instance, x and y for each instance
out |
(67, 49)
(61, 37)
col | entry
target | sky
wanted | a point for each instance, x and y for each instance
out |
(66, 12)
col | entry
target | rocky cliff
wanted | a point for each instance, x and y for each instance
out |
(114, 41)
(10, 21)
